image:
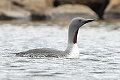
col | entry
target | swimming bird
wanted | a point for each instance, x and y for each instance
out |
(72, 50)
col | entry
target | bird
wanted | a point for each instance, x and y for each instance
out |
(72, 50)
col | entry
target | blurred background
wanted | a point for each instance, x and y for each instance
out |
(37, 10)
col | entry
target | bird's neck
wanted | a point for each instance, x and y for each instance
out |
(72, 47)
(72, 35)
(72, 50)
(75, 37)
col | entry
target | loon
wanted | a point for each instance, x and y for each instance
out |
(72, 50)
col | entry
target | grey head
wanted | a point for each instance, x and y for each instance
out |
(78, 22)
(74, 26)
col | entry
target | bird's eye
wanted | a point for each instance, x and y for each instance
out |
(80, 20)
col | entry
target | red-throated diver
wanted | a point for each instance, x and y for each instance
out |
(72, 50)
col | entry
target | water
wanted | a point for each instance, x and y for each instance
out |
(99, 52)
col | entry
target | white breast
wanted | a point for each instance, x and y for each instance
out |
(74, 51)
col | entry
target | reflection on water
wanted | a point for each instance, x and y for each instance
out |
(99, 44)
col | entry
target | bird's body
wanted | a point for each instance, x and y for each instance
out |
(42, 52)
(72, 50)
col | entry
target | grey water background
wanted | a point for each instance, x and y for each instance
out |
(99, 45)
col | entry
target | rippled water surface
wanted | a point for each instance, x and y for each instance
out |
(99, 52)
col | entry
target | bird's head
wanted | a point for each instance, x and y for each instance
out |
(78, 22)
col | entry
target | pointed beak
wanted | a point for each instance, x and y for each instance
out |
(90, 20)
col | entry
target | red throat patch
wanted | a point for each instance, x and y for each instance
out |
(75, 37)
